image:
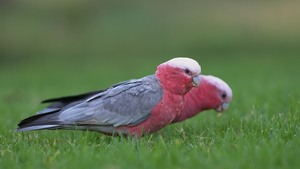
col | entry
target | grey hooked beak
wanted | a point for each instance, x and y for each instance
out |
(224, 106)
(196, 80)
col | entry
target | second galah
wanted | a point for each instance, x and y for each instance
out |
(213, 93)
(133, 107)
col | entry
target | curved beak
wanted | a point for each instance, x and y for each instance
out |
(196, 80)
(223, 107)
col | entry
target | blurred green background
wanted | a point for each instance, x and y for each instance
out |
(53, 48)
(103, 31)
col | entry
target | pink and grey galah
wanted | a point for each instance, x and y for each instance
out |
(213, 93)
(133, 107)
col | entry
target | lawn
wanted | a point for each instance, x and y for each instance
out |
(261, 128)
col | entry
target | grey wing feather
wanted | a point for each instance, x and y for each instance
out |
(126, 104)
(58, 103)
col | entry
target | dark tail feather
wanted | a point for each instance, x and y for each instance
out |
(61, 102)
(49, 121)
(39, 122)
(68, 99)
(47, 118)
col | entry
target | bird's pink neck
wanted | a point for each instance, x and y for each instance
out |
(196, 100)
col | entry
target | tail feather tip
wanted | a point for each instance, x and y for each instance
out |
(39, 127)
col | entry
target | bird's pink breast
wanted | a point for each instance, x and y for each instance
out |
(161, 115)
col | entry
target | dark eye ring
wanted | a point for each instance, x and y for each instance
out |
(224, 95)
(187, 71)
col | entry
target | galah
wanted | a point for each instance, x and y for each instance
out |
(213, 93)
(134, 107)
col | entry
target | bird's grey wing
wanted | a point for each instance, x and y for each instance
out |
(58, 103)
(129, 103)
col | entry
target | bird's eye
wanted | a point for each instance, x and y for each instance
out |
(187, 71)
(224, 95)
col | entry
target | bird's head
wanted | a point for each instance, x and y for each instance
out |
(179, 75)
(218, 92)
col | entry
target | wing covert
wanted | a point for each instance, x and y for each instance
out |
(128, 103)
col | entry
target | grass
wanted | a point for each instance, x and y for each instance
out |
(260, 130)
(68, 49)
